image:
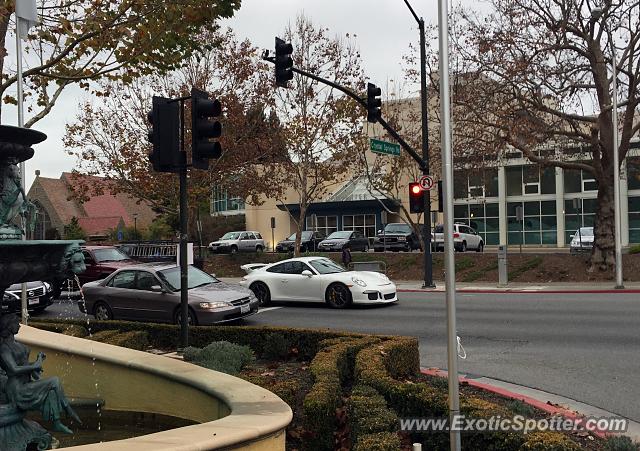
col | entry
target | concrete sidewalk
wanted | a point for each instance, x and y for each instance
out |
(491, 287)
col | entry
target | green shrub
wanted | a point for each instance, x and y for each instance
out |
(520, 408)
(221, 356)
(73, 330)
(463, 263)
(104, 335)
(276, 347)
(332, 365)
(138, 340)
(635, 249)
(620, 443)
(381, 441)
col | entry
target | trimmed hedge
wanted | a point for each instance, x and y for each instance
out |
(378, 366)
(331, 367)
(369, 414)
(303, 343)
(132, 339)
(380, 441)
(74, 330)
(220, 356)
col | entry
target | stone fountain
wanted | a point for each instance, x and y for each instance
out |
(21, 386)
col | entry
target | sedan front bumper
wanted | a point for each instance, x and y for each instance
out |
(215, 316)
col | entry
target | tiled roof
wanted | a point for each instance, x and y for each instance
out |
(58, 193)
(99, 226)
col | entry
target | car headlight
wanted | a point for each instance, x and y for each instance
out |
(47, 286)
(213, 305)
(357, 281)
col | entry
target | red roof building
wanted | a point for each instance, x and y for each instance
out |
(97, 210)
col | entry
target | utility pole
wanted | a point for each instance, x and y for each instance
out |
(449, 259)
(424, 101)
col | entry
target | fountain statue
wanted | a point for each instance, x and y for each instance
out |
(21, 386)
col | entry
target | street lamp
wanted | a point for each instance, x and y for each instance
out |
(596, 13)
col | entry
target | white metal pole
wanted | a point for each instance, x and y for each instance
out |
(23, 294)
(447, 176)
(616, 166)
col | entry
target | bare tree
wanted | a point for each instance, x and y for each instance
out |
(534, 75)
(320, 126)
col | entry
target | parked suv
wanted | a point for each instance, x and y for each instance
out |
(308, 242)
(396, 237)
(464, 238)
(233, 242)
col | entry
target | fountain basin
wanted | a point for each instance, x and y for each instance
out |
(230, 412)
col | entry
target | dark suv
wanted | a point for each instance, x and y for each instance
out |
(308, 242)
(396, 237)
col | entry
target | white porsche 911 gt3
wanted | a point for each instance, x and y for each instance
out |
(317, 279)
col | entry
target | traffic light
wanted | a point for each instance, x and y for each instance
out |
(416, 198)
(164, 135)
(284, 62)
(373, 102)
(204, 128)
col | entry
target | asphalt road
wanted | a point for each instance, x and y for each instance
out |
(585, 347)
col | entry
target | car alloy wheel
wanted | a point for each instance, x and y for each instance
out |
(261, 291)
(338, 296)
(102, 312)
(366, 248)
(464, 246)
(234, 249)
(480, 247)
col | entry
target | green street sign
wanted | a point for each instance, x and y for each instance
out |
(383, 147)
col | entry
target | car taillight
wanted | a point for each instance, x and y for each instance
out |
(456, 235)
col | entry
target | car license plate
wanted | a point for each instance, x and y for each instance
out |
(34, 301)
(244, 308)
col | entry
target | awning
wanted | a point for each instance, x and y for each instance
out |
(364, 205)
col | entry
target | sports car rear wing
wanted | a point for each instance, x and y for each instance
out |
(252, 266)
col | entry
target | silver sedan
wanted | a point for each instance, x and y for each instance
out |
(151, 292)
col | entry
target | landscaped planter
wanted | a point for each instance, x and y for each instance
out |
(228, 411)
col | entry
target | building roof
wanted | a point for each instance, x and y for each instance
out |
(99, 226)
(93, 203)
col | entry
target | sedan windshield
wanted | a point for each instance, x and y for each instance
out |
(339, 235)
(109, 255)
(230, 236)
(326, 266)
(196, 278)
(397, 228)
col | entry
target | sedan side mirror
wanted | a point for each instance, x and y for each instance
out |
(157, 289)
(307, 273)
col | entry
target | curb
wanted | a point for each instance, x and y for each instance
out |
(547, 407)
(522, 291)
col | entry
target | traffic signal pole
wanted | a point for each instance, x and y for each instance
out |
(426, 227)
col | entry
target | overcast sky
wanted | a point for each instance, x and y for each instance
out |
(384, 30)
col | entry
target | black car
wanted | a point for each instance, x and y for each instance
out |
(308, 242)
(337, 240)
(396, 237)
(39, 297)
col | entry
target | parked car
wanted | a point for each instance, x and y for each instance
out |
(317, 279)
(464, 238)
(151, 292)
(582, 240)
(337, 240)
(101, 261)
(39, 297)
(396, 237)
(233, 242)
(309, 241)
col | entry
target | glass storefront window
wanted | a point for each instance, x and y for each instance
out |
(491, 182)
(366, 224)
(460, 184)
(514, 180)
(572, 181)
(633, 173)
(538, 227)
(326, 224)
(548, 180)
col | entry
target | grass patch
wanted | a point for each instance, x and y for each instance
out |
(463, 263)
(530, 264)
(478, 273)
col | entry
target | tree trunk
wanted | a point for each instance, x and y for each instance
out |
(603, 253)
(299, 227)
